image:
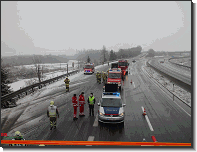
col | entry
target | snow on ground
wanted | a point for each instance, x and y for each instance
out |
(182, 61)
(21, 83)
(181, 93)
(51, 65)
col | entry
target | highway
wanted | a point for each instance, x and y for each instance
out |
(178, 73)
(169, 121)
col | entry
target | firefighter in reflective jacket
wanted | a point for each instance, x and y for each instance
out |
(91, 102)
(52, 112)
(81, 104)
(18, 136)
(74, 101)
(104, 77)
(99, 78)
(67, 81)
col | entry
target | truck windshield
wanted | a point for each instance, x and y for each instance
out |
(114, 76)
(88, 66)
(122, 63)
(111, 102)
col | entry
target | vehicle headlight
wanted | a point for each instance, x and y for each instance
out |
(122, 114)
(101, 114)
(108, 82)
(118, 82)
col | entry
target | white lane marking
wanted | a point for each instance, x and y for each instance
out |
(165, 93)
(148, 121)
(134, 84)
(96, 121)
(90, 138)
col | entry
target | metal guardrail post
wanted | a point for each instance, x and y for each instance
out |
(173, 91)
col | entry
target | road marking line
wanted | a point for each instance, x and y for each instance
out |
(148, 121)
(90, 138)
(96, 121)
(157, 84)
(134, 84)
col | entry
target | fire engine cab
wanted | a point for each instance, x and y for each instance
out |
(89, 68)
(115, 77)
(123, 64)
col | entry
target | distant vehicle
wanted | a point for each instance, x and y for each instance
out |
(134, 61)
(111, 107)
(123, 64)
(89, 68)
(162, 61)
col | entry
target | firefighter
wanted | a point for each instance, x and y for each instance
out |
(99, 78)
(67, 81)
(18, 136)
(91, 102)
(74, 101)
(52, 112)
(81, 104)
(105, 77)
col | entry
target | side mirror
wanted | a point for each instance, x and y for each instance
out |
(124, 105)
(98, 104)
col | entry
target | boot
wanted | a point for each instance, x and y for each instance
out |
(55, 127)
(51, 128)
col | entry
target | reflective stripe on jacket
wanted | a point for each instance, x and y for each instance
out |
(67, 81)
(81, 99)
(74, 101)
(52, 111)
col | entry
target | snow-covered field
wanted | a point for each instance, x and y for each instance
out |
(178, 91)
(182, 61)
(23, 82)
(52, 65)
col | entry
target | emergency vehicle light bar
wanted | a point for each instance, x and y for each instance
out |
(111, 93)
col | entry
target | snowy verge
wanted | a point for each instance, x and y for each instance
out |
(165, 82)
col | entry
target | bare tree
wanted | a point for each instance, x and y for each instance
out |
(39, 68)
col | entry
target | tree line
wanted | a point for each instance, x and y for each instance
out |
(96, 56)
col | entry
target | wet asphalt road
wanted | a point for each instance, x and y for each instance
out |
(171, 121)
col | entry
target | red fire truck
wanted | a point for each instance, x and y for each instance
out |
(115, 77)
(89, 68)
(123, 64)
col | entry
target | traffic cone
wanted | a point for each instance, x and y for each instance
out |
(144, 113)
(154, 139)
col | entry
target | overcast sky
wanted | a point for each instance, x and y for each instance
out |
(62, 27)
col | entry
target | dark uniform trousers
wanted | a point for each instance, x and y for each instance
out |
(53, 121)
(91, 109)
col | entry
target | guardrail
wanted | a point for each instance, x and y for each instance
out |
(31, 88)
(177, 63)
(175, 80)
(168, 89)
(12, 95)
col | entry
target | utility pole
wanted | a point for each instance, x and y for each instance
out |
(78, 63)
(173, 91)
(67, 68)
